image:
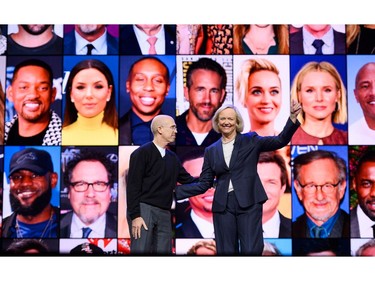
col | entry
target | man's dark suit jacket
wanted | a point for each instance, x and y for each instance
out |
(110, 226)
(354, 224)
(70, 44)
(186, 228)
(285, 230)
(341, 229)
(129, 44)
(125, 129)
(296, 43)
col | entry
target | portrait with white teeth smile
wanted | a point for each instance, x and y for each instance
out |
(31, 180)
(32, 93)
(147, 85)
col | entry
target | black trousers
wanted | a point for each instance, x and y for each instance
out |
(238, 231)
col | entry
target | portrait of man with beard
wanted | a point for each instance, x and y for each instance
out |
(31, 180)
(205, 90)
(35, 39)
(89, 176)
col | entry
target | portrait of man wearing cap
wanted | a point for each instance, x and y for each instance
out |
(31, 180)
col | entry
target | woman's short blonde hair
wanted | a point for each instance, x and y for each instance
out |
(248, 67)
(239, 121)
(340, 114)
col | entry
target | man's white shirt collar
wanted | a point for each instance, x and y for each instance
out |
(205, 227)
(99, 44)
(98, 227)
(271, 228)
(365, 224)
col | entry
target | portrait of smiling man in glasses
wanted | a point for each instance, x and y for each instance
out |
(89, 177)
(320, 184)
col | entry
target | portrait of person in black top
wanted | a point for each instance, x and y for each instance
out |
(360, 38)
(31, 97)
(35, 39)
(205, 90)
(147, 86)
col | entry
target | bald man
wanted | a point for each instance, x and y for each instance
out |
(362, 131)
(153, 173)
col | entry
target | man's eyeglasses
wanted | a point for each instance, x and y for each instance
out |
(82, 186)
(312, 187)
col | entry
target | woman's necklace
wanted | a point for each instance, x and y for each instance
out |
(49, 223)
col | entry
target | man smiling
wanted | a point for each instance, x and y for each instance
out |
(32, 94)
(32, 178)
(89, 176)
(147, 84)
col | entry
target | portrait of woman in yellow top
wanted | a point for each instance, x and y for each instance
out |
(90, 116)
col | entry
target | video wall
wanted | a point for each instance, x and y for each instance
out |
(69, 91)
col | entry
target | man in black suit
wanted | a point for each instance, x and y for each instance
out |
(362, 216)
(135, 39)
(89, 177)
(320, 184)
(273, 173)
(319, 39)
(78, 41)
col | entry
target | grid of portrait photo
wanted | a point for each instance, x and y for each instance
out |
(77, 101)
